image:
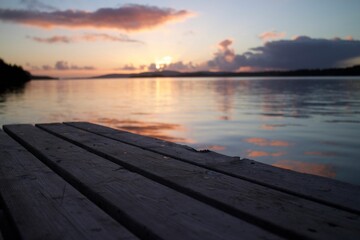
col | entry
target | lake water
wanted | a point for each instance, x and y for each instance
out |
(306, 124)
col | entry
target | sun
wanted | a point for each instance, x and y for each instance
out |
(161, 64)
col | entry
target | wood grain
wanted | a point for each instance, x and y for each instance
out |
(152, 210)
(43, 205)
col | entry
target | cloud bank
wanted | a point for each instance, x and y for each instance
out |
(88, 37)
(293, 54)
(300, 53)
(130, 17)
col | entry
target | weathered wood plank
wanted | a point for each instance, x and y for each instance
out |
(44, 206)
(331, 192)
(271, 208)
(152, 210)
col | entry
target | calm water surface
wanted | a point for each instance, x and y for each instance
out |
(306, 124)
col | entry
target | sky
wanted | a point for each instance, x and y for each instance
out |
(72, 38)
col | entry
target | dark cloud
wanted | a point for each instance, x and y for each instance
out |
(75, 67)
(88, 37)
(47, 67)
(299, 53)
(53, 39)
(225, 58)
(128, 67)
(152, 67)
(64, 66)
(304, 52)
(181, 66)
(37, 5)
(107, 37)
(130, 17)
(30, 67)
(131, 67)
(176, 66)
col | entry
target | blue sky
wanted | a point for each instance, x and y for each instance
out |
(179, 35)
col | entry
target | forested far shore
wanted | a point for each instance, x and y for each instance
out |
(13, 74)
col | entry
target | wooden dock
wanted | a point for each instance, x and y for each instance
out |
(79, 180)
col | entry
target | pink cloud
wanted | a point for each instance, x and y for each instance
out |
(224, 45)
(271, 35)
(130, 17)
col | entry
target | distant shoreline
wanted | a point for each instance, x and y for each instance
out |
(332, 72)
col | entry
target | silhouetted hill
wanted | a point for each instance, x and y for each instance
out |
(350, 71)
(13, 74)
(114, 75)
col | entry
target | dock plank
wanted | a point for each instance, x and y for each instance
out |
(323, 190)
(270, 208)
(43, 205)
(152, 210)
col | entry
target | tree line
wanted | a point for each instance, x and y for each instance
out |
(13, 74)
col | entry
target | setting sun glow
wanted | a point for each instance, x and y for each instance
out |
(163, 62)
